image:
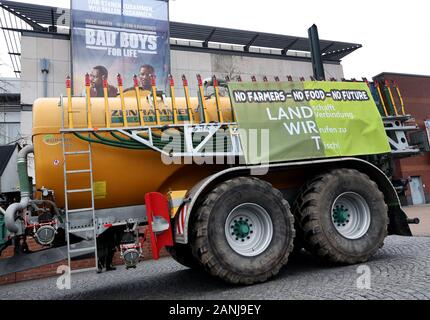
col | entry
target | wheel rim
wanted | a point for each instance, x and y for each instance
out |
(249, 229)
(350, 215)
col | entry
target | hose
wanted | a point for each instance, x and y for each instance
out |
(129, 143)
(113, 134)
(156, 141)
(112, 144)
(125, 145)
(24, 183)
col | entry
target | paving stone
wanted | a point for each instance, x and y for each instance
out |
(400, 270)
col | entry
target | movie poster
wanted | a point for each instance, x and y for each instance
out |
(119, 36)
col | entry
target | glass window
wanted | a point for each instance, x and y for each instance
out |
(9, 132)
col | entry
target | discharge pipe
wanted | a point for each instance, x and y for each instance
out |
(25, 186)
(316, 54)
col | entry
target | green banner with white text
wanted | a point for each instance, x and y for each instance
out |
(286, 121)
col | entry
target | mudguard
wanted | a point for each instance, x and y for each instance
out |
(160, 231)
(398, 218)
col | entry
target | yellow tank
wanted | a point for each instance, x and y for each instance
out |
(121, 176)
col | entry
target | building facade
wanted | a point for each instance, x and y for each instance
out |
(10, 110)
(415, 90)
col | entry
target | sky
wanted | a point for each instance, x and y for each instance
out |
(395, 34)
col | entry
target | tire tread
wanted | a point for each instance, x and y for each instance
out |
(200, 241)
(304, 210)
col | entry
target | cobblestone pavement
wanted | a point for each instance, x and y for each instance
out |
(400, 270)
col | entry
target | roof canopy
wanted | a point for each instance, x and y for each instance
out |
(6, 153)
(332, 50)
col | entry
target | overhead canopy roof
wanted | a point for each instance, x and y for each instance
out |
(17, 17)
(34, 15)
(6, 153)
(332, 50)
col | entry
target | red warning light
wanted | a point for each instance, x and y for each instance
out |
(68, 82)
(215, 81)
(199, 80)
(135, 81)
(119, 78)
(184, 80)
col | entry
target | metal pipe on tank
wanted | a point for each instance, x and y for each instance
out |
(25, 186)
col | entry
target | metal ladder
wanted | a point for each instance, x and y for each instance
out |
(89, 246)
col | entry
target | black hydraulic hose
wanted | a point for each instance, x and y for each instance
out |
(128, 143)
(118, 145)
(157, 142)
(155, 137)
(113, 134)
(112, 143)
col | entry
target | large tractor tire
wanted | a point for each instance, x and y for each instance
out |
(343, 217)
(243, 231)
(182, 254)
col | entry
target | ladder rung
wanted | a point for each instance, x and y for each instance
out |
(80, 190)
(83, 270)
(74, 230)
(82, 250)
(80, 210)
(78, 171)
(76, 152)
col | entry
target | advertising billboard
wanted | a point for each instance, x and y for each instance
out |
(126, 37)
(308, 120)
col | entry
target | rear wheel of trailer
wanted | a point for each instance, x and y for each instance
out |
(343, 216)
(243, 231)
